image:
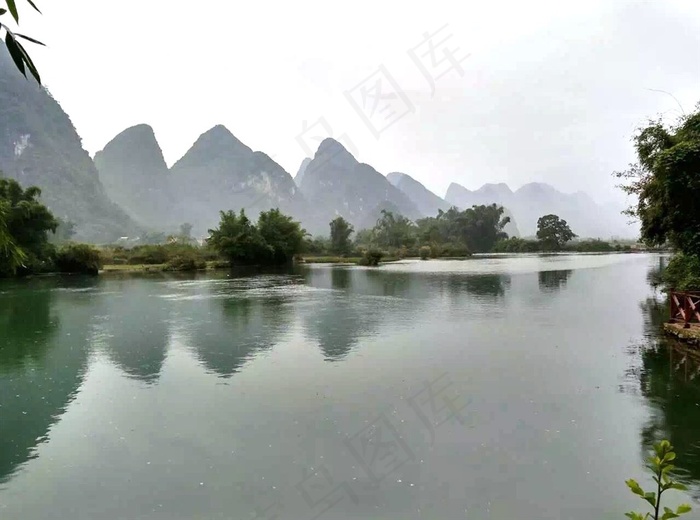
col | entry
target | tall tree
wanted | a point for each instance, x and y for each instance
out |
(553, 232)
(283, 235)
(27, 222)
(11, 255)
(238, 240)
(666, 182)
(341, 230)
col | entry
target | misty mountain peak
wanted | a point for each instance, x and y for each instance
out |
(331, 147)
(219, 138)
(395, 177)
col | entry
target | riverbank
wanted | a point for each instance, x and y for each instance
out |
(690, 335)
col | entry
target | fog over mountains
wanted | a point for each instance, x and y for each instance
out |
(129, 189)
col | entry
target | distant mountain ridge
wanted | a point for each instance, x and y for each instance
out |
(531, 201)
(338, 184)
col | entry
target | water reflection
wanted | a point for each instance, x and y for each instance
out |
(483, 285)
(43, 358)
(232, 323)
(27, 321)
(668, 376)
(550, 281)
(134, 322)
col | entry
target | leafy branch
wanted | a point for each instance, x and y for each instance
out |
(19, 55)
(661, 466)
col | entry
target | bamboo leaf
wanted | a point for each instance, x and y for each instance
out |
(30, 64)
(13, 10)
(28, 38)
(15, 53)
(34, 6)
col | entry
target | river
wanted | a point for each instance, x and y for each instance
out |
(497, 387)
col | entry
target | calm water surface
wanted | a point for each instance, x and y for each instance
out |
(498, 388)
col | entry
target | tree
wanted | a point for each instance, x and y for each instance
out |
(394, 230)
(553, 232)
(283, 235)
(27, 223)
(341, 230)
(666, 182)
(17, 52)
(238, 240)
(11, 255)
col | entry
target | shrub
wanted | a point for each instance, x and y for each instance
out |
(683, 273)
(371, 257)
(78, 258)
(425, 252)
(187, 261)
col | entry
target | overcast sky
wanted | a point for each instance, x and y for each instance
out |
(471, 92)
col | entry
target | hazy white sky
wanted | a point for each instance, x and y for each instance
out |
(545, 91)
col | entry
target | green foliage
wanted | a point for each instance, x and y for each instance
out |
(316, 245)
(660, 464)
(186, 261)
(517, 245)
(553, 232)
(17, 52)
(78, 259)
(282, 235)
(476, 229)
(275, 239)
(666, 183)
(238, 239)
(371, 257)
(394, 231)
(425, 252)
(27, 222)
(682, 273)
(11, 255)
(341, 230)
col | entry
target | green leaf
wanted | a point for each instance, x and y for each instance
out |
(15, 53)
(30, 64)
(651, 498)
(684, 508)
(13, 10)
(34, 6)
(2, 11)
(634, 487)
(668, 514)
(25, 37)
(678, 486)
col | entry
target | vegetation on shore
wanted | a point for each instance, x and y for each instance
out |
(33, 241)
(666, 182)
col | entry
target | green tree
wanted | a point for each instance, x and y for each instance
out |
(283, 235)
(27, 222)
(341, 230)
(11, 255)
(17, 52)
(394, 231)
(666, 182)
(238, 239)
(553, 232)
